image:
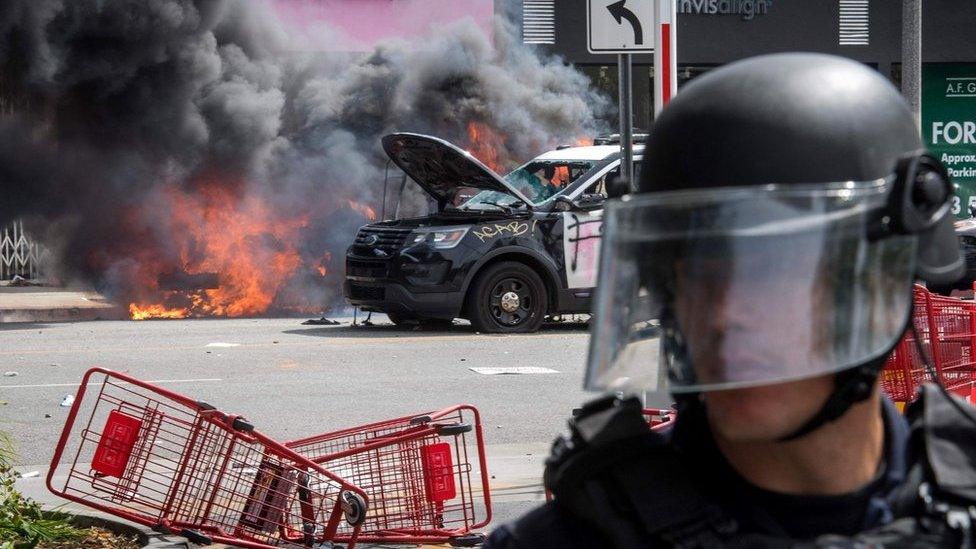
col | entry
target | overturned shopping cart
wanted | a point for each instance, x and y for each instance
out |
(161, 459)
(425, 475)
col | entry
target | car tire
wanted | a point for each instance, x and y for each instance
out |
(507, 297)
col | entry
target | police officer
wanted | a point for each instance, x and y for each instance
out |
(760, 275)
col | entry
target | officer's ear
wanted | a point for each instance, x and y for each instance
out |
(921, 204)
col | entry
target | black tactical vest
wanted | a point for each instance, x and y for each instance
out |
(617, 484)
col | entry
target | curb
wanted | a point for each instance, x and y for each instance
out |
(148, 538)
(65, 314)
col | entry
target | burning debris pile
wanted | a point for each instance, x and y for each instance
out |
(184, 159)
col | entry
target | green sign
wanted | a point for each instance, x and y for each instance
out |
(949, 125)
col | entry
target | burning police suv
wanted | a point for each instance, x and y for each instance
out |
(502, 252)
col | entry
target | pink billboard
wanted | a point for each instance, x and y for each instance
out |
(358, 25)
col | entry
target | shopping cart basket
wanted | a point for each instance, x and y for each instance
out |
(161, 459)
(947, 327)
(419, 473)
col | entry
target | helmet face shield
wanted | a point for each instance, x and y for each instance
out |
(735, 287)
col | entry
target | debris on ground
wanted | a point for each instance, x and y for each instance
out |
(97, 538)
(10, 374)
(18, 280)
(30, 474)
(320, 322)
(68, 401)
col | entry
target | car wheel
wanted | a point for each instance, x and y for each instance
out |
(508, 297)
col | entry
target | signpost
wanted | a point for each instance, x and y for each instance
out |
(626, 27)
(620, 27)
(949, 125)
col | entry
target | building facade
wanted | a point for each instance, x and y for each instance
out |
(715, 32)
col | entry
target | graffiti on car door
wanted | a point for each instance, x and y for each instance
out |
(581, 242)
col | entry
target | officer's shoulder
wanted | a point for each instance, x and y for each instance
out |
(605, 433)
(548, 525)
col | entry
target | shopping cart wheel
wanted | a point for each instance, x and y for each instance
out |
(195, 537)
(354, 506)
(453, 429)
(467, 540)
(240, 424)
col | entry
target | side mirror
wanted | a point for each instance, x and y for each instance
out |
(617, 187)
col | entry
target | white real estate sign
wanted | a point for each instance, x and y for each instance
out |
(620, 26)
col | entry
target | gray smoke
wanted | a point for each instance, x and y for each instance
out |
(126, 126)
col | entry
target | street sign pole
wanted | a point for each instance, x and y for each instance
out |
(626, 119)
(622, 27)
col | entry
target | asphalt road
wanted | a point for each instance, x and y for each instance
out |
(292, 380)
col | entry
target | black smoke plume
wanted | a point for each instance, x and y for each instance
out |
(146, 137)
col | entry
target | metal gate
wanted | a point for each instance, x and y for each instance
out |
(19, 254)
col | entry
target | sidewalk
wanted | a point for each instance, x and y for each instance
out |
(44, 304)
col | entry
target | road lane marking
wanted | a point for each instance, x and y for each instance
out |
(222, 344)
(118, 383)
(515, 370)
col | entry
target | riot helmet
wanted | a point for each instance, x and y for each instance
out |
(785, 207)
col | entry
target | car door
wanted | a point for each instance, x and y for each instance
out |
(583, 230)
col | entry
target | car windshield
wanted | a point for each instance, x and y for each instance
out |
(538, 180)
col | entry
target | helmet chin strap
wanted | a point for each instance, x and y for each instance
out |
(850, 387)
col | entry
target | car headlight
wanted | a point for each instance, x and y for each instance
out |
(441, 239)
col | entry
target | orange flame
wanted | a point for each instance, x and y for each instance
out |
(584, 141)
(252, 251)
(143, 312)
(365, 210)
(561, 176)
(485, 144)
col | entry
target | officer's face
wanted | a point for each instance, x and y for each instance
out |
(753, 322)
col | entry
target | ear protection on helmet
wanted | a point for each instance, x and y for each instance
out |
(921, 195)
(920, 203)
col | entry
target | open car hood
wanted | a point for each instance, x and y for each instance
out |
(441, 168)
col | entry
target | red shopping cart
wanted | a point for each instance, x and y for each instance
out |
(161, 459)
(418, 472)
(659, 419)
(947, 327)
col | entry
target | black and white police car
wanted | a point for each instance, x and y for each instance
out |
(503, 252)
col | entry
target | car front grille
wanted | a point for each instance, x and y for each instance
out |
(366, 269)
(357, 291)
(386, 239)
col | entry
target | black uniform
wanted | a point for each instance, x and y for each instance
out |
(616, 486)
